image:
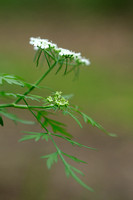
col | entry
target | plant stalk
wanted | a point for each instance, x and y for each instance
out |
(37, 82)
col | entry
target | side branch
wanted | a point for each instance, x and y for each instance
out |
(37, 82)
(13, 105)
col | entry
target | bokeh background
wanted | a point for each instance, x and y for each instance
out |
(103, 31)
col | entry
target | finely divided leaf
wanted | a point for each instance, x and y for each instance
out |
(78, 144)
(14, 117)
(60, 130)
(67, 171)
(56, 126)
(73, 142)
(88, 119)
(51, 121)
(51, 158)
(73, 116)
(73, 158)
(76, 170)
(7, 94)
(81, 182)
(34, 136)
(10, 79)
(29, 137)
(31, 97)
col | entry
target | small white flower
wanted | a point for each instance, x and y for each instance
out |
(41, 43)
(77, 55)
(53, 45)
(84, 61)
(65, 52)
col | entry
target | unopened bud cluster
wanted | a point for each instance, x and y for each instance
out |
(57, 100)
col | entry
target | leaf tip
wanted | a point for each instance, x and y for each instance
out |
(112, 134)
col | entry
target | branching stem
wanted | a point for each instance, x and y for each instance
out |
(13, 105)
(37, 82)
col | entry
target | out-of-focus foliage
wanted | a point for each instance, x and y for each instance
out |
(114, 6)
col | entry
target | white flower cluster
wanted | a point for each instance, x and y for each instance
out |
(41, 43)
(45, 44)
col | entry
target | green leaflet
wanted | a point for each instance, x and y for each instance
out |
(73, 158)
(7, 94)
(80, 181)
(73, 116)
(11, 79)
(14, 117)
(69, 172)
(30, 97)
(69, 168)
(34, 136)
(60, 130)
(72, 141)
(35, 97)
(56, 126)
(76, 170)
(88, 119)
(51, 159)
(51, 121)
(80, 145)
(1, 121)
(42, 114)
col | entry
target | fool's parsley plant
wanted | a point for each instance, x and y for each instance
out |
(41, 107)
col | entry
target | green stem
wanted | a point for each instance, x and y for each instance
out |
(66, 66)
(35, 116)
(58, 150)
(49, 55)
(46, 59)
(37, 82)
(13, 105)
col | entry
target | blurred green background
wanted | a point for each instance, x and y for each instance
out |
(102, 31)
